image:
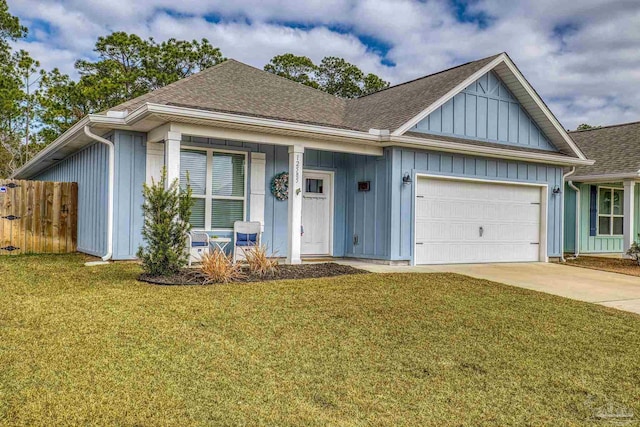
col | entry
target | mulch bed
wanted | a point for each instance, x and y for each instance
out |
(189, 276)
(614, 265)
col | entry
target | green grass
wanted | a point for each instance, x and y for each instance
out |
(91, 345)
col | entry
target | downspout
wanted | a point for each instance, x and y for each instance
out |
(577, 236)
(564, 177)
(110, 192)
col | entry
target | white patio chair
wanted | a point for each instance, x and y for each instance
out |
(197, 245)
(246, 235)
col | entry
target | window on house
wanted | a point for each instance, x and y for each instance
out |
(313, 186)
(218, 183)
(610, 211)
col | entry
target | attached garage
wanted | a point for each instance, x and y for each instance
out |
(472, 221)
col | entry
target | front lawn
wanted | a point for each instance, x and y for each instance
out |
(91, 345)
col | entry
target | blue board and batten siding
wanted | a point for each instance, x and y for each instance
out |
(360, 218)
(486, 111)
(454, 165)
(89, 168)
(131, 159)
(375, 224)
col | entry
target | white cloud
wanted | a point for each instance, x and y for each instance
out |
(581, 56)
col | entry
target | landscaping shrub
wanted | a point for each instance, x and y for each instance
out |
(218, 267)
(166, 224)
(260, 263)
(634, 251)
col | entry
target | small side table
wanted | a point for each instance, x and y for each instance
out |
(220, 243)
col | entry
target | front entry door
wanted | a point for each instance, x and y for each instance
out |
(317, 213)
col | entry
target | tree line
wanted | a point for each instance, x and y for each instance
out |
(38, 105)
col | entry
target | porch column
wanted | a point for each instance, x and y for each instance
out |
(629, 214)
(172, 156)
(294, 238)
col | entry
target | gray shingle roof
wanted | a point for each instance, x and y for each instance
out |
(392, 107)
(616, 149)
(235, 87)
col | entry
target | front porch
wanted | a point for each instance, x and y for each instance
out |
(601, 218)
(334, 207)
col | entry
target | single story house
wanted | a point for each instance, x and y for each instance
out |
(466, 165)
(602, 212)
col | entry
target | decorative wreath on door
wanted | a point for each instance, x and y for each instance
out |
(280, 186)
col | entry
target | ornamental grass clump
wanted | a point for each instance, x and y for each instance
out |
(259, 263)
(166, 213)
(218, 267)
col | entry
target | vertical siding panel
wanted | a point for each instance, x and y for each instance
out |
(435, 120)
(514, 116)
(492, 119)
(503, 121)
(470, 115)
(482, 119)
(434, 162)
(459, 114)
(447, 117)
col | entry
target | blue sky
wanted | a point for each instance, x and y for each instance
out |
(583, 57)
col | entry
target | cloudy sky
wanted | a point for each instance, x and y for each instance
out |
(583, 56)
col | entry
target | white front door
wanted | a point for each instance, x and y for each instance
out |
(460, 221)
(317, 213)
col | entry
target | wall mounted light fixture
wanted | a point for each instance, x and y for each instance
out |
(557, 190)
(406, 179)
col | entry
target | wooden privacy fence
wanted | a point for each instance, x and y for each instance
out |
(38, 217)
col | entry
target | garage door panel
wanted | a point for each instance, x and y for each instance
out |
(469, 222)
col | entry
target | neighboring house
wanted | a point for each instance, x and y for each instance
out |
(465, 165)
(607, 219)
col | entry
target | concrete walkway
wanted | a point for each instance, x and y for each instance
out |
(600, 287)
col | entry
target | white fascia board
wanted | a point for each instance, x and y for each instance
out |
(478, 150)
(605, 177)
(453, 92)
(68, 136)
(191, 113)
(59, 142)
(368, 148)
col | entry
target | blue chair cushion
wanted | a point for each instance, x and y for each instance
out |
(198, 244)
(244, 239)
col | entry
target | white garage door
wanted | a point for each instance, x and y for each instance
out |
(476, 222)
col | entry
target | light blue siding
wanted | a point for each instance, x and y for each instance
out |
(569, 219)
(361, 214)
(130, 153)
(486, 111)
(89, 168)
(429, 162)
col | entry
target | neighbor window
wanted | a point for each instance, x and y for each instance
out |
(610, 211)
(217, 180)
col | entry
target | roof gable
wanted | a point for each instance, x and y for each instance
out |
(519, 88)
(486, 110)
(392, 107)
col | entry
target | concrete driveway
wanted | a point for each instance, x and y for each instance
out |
(600, 287)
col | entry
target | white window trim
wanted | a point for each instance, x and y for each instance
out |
(208, 196)
(611, 216)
